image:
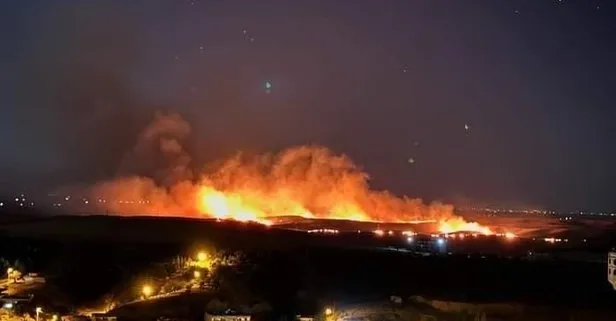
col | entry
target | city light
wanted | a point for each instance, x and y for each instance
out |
(409, 239)
(8, 305)
(38, 310)
(197, 274)
(440, 241)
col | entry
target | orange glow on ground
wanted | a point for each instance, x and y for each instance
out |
(460, 225)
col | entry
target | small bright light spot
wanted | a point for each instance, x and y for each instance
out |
(409, 239)
(268, 85)
(510, 236)
(146, 290)
(379, 232)
(329, 311)
(440, 241)
(8, 305)
(197, 274)
(39, 310)
(201, 256)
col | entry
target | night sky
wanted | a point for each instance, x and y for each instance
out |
(503, 103)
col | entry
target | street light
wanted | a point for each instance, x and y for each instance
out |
(197, 274)
(329, 311)
(39, 310)
(201, 256)
(54, 317)
(146, 290)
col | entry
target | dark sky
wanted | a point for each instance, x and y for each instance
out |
(383, 81)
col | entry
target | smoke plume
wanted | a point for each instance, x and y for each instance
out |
(308, 181)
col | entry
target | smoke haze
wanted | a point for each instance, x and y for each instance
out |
(309, 181)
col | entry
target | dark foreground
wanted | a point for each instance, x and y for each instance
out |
(88, 257)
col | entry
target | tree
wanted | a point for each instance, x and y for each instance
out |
(261, 307)
(19, 266)
(215, 305)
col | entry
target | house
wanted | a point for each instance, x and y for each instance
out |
(103, 317)
(226, 316)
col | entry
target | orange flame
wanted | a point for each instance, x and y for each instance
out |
(459, 225)
(305, 181)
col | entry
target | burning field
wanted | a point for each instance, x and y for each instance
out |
(304, 181)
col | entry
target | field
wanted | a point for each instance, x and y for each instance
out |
(89, 257)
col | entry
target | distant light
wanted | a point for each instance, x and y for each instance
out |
(146, 290)
(409, 239)
(329, 311)
(1, 204)
(197, 274)
(201, 256)
(8, 305)
(440, 241)
(16, 199)
(268, 85)
(379, 232)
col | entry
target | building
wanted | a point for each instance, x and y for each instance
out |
(9, 301)
(427, 245)
(103, 317)
(611, 268)
(227, 316)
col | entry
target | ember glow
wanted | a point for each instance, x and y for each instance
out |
(459, 225)
(303, 181)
